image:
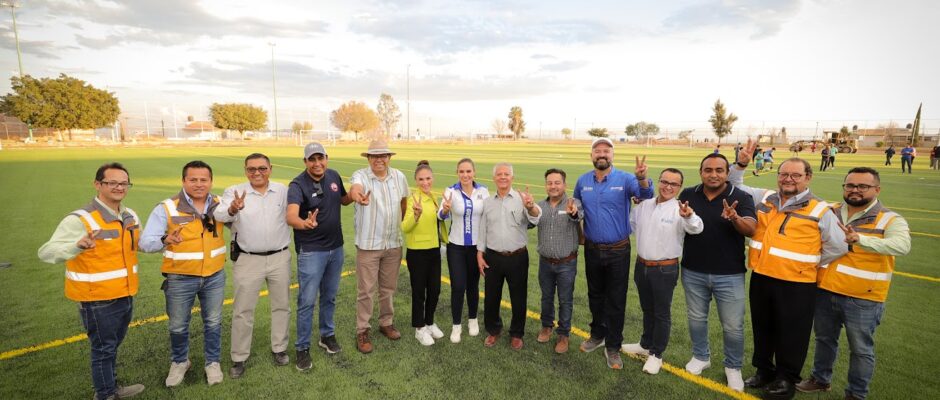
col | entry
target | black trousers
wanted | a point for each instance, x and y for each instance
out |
(655, 285)
(464, 278)
(782, 319)
(607, 273)
(514, 270)
(424, 268)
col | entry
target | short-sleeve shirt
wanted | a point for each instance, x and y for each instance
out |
(719, 249)
(607, 204)
(378, 225)
(326, 196)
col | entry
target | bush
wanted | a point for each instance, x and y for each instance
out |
(879, 144)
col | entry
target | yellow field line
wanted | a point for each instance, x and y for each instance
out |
(925, 234)
(924, 277)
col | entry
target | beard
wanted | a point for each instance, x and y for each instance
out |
(855, 202)
(601, 163)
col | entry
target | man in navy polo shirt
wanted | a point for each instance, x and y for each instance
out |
(713, 266)
(605, 194)
(313, 210)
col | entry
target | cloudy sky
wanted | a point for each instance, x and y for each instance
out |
(566, 63)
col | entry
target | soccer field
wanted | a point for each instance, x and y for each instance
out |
(43, 353)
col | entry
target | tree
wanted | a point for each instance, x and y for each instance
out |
(299, 127)
(566, 133)
(239, 117)
(388, 113)
(598, 132)
(63, 104)
(499, 126)
(641, 130)
(686, 135)
(844, 131)
(516, 124)
(354, 117)
(721, 120)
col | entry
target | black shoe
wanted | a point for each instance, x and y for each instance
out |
(756, 382)
(237, 370)
(330, 344)
(780, 389)
(281, 359)
(304, 363)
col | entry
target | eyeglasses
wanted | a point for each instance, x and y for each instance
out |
(252, 170)
(671, 184)
(849, 187)
(116, 184)
(379, 156)
(794, 176)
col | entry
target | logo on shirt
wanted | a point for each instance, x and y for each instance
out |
(334, 187)
(620, 188)
(587, 189)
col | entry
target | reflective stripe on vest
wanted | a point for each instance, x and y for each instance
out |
(85, 215)
(788, 244)
(808, 258)
(194, 255)
(860, 273)
(98, 276)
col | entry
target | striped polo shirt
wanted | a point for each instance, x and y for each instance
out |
(378, 225)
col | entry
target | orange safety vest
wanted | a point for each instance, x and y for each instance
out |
(109, 270)
(787, 244)
(201, 253)
(862, 273)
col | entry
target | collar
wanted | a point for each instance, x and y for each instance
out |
(729, 189)
(844, 211)
(509, 194)
(107, 214)
(459, 188)
(594, 174)
(372, 175)
(187, 206)
(563, 200)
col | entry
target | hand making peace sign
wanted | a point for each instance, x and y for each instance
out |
(685, 211)
(87, 241)
(641, 168)
(851, 236)
(311, 221)
(238, 203)
(729, 212)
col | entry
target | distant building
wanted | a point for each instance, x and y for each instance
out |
(892, 137)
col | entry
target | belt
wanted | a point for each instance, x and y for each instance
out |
(659, 263)
(508, 253)
(608, 246)
(556, 261)
(265, 253)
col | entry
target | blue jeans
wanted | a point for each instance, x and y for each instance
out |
(181, 292)
(860, 318)
(317, 271)
(559, 276)
(728, 291)
(106, 323)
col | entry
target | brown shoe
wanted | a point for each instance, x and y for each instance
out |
(561, 346)
(544, 334)
(363, 342)
(811, 385)
(491, 340)
(390, 332)
(516, 343)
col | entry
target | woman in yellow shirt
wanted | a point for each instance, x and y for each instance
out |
(423, 238)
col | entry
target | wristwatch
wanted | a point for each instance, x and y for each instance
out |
(163, 239)
(742, 165)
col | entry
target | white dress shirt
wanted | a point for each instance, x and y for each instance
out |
(262, 225)
(659, 229)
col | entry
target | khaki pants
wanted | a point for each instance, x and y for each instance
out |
(376, 267)
(250, 272)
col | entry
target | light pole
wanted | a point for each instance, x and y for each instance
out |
(19, 58)
(274, 86)
(408, 103)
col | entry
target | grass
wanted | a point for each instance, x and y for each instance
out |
(39, 186)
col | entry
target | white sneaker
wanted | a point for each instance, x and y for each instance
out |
(435, 331)
(696, 366)
(635, 349)
(473, 327)
(652, 365)
(177, 372)
(455, 334)
(735, 382)
(424, 336)
(214, 373)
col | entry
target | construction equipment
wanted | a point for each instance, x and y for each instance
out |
(846, 142)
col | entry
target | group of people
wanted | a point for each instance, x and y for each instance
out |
(908, 153)
(815, 265)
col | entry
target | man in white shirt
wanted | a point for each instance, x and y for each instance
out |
(256, 213)
(660, 225)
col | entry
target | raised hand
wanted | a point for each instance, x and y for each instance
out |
(641, 168)
(175, 237)
(311, 221)
(745, 154)
(571, 208)
(363, 199)
(87, 241)
(685, 211)
(416, 205)
(729, 212)
(445, 206)
(238, 203)
(851, 236)
(527, 201)
(635, 200)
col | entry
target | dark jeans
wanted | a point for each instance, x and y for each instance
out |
(464, 277)
(782, 319)
(514, 270)
(607, 273)
(106, 323)
(655, 286)
(424, 269)
(887, 160)
(560, 276)
(906, 163)
(824, 164)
